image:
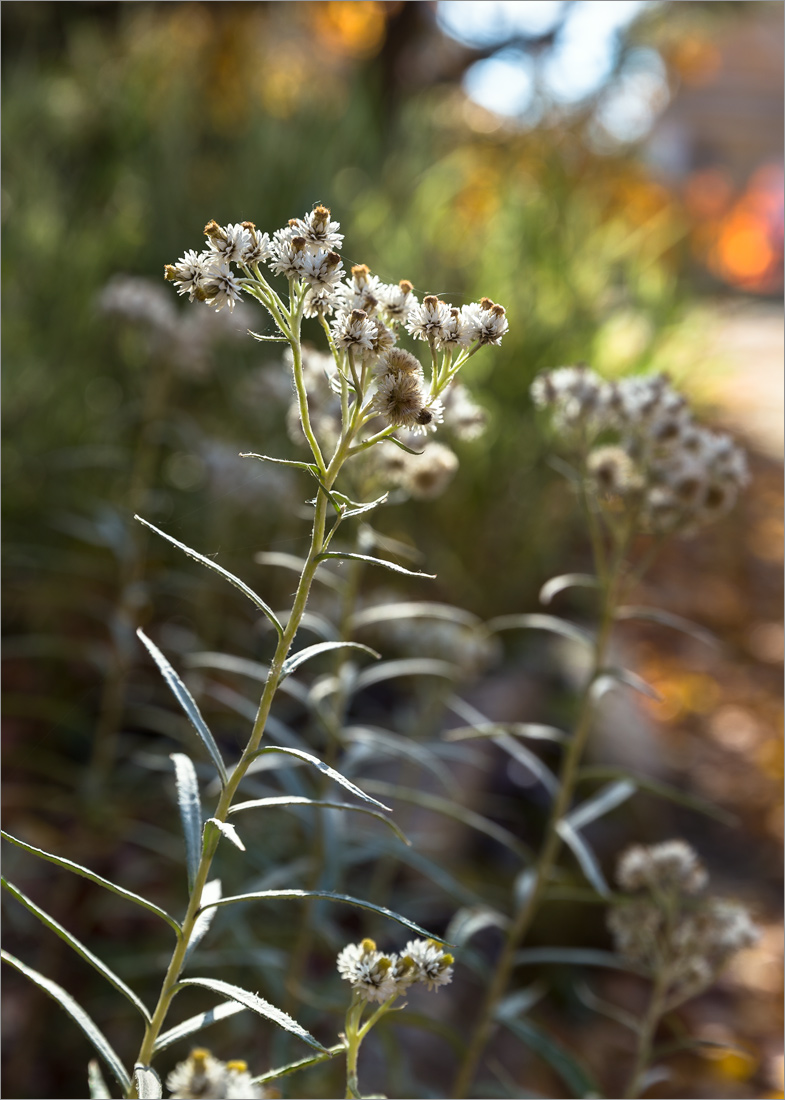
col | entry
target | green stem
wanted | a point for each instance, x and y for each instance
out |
(551, 846)
(646, 1034)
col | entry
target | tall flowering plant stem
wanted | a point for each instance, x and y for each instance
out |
(642, 468)
(382, 388)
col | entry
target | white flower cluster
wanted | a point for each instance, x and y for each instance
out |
(641, 446)
(202, 1075)
(368, 315)
(379, 977)
(666, 928)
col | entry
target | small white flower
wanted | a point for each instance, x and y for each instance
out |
(258, 248)
(287, 252)
(228, 242)
(361, 291)
(189, 271)
(454, 331)
(321, 300)
(219, 288)
(200, 1075)
(434, 967)
(485, 321)
(319, 231)
(672, 865)
(354, 330)
(321, 270)
(374, 975)
(426, 321)
(396, 300)
(239, 1083)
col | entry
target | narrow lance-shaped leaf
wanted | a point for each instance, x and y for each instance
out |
(534, 731)
(303, 655)
(80, 949)
(226, 830)
(667, 618)
(421, 609)
(555, 585)
(325, 769)
(572, 1072)
(541, 622)
(448, 808)
(210, 893)
(612, 677)
(196, 1023)
(296, 565)
(77, 1014)
(311, 467)
(662, 790)
(190, 811)
(605, 800)
(584, 855)
(95, 1082)
(256, 1004)
(406, 666)
(301, 1063)
(530, 761)
(187, 702)
(574, 956)
(77, 868)
(375, 561)
(216, 568)
(329, 895)
(148, 1083)
(296, 800)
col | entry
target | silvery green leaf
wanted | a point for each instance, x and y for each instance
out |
(246, 591)
(434, 873)
(301, 1063)
(190, 811)
(420, 609)
(311, 467)
(80, 949)
(532, 730)
(573, 956)
(148, 1083)
(397, 442)
(296, 565)
(666, 618)
(374, 561)
(329, 895)
(77, 1014)
(186, 701)
(584, 855)
(570, 1069)
(456, 811)
(406, 666)
(529, 760)
(355, 508)
(256, 1004)
(468, 922)
(386, 743)
(612, 677)
(555, 585)
(196, 1023)
(83, 871)
(297, 800)
(325, 769)
(662, 790)
(605, 800)
(210, 894)
(541, 622)
(226, 830)
(604, 1008)
(95, 1082)
(519, 1003)
(522, 887)
(296, 659)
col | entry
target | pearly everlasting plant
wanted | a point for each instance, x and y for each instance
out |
(364, 392)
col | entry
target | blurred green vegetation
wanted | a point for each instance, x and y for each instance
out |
(125, 128)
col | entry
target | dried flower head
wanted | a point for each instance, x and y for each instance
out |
(200, 1075)
(672, 865)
